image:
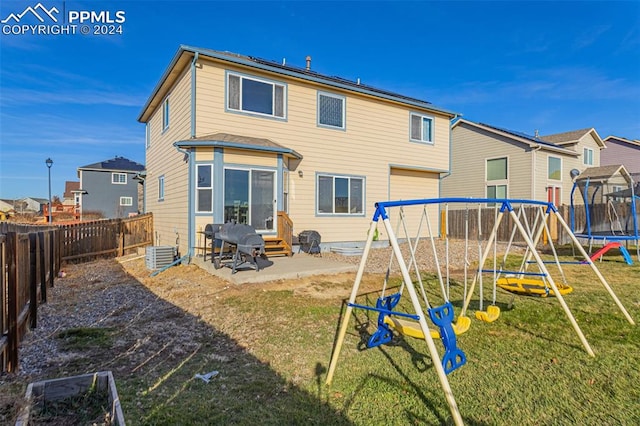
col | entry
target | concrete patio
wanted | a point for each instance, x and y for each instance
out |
(281, 267)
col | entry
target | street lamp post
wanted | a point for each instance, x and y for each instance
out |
(49, 163)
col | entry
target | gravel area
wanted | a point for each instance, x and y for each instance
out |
(101, 294)
(459, 253)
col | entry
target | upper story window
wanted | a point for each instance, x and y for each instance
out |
(421, 128)
(496, 177)
(204, 190)
(554, 168)
(256, 96)
(587, 156)
(331, 110)
(497, 169)
(340, 194)
(165, 114)
(119, 178)
(161, 188)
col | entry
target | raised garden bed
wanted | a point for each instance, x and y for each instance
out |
(85, 399)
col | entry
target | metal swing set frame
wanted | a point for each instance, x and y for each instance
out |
(443, 315)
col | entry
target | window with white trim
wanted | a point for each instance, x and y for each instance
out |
(118, 178)
(331, 110)
(340, 194)
(204, 188)
(587, 156)
(496, 176)
(554, 168)
(126, 201)
(161, 188)
(421, 128)
(165, 115)
(256, 96)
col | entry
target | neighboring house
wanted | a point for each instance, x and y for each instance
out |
(622, 151)
(110, 187)
(491, 162)
(32, 205)
(71, 196)
(232, 137)
(6, 205)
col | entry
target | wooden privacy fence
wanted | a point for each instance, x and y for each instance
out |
(603, 217)
(105, 238)
(31, 256)
(30, 261)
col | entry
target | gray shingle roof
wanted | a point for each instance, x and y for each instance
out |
(116, 163)
(238, 141)
(566, 137)
(602, 172)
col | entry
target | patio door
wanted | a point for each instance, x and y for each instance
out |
(249, 197)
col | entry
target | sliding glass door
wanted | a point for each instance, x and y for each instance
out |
(249, 197)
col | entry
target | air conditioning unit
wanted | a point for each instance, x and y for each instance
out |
(157, 257)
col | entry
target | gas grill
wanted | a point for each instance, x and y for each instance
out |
(244, 244)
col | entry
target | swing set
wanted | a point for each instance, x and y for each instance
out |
(414, 324)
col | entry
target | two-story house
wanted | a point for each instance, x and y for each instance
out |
(109, 187)
(237, 138)
(622, 151)
(491, 162)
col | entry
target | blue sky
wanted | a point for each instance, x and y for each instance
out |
(551, 66)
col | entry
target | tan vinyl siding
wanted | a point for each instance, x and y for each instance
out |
(470, 150)
(576, 162)
(250, 158)
(170, 216)
(204, 154)
(376, 135)
(409, 185)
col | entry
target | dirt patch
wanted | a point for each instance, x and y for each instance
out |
(150, 322)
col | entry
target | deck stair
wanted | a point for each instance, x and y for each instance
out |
(276, 246)
(281, 244)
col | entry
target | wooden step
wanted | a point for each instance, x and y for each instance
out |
(274, 246)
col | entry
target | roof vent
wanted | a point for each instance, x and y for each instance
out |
(536, 134)
(308, 62)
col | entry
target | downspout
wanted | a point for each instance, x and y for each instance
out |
(190, 214)
(193, 94)
(448, 173)
(189, 155)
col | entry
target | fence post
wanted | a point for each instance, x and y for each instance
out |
(54, 261)
(12, 301)
(34, 258)
(42, 267)
(121, 233)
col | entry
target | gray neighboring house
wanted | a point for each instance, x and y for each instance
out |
(622, 151)
(111, 187)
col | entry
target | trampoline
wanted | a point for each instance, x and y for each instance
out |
(611, 206)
